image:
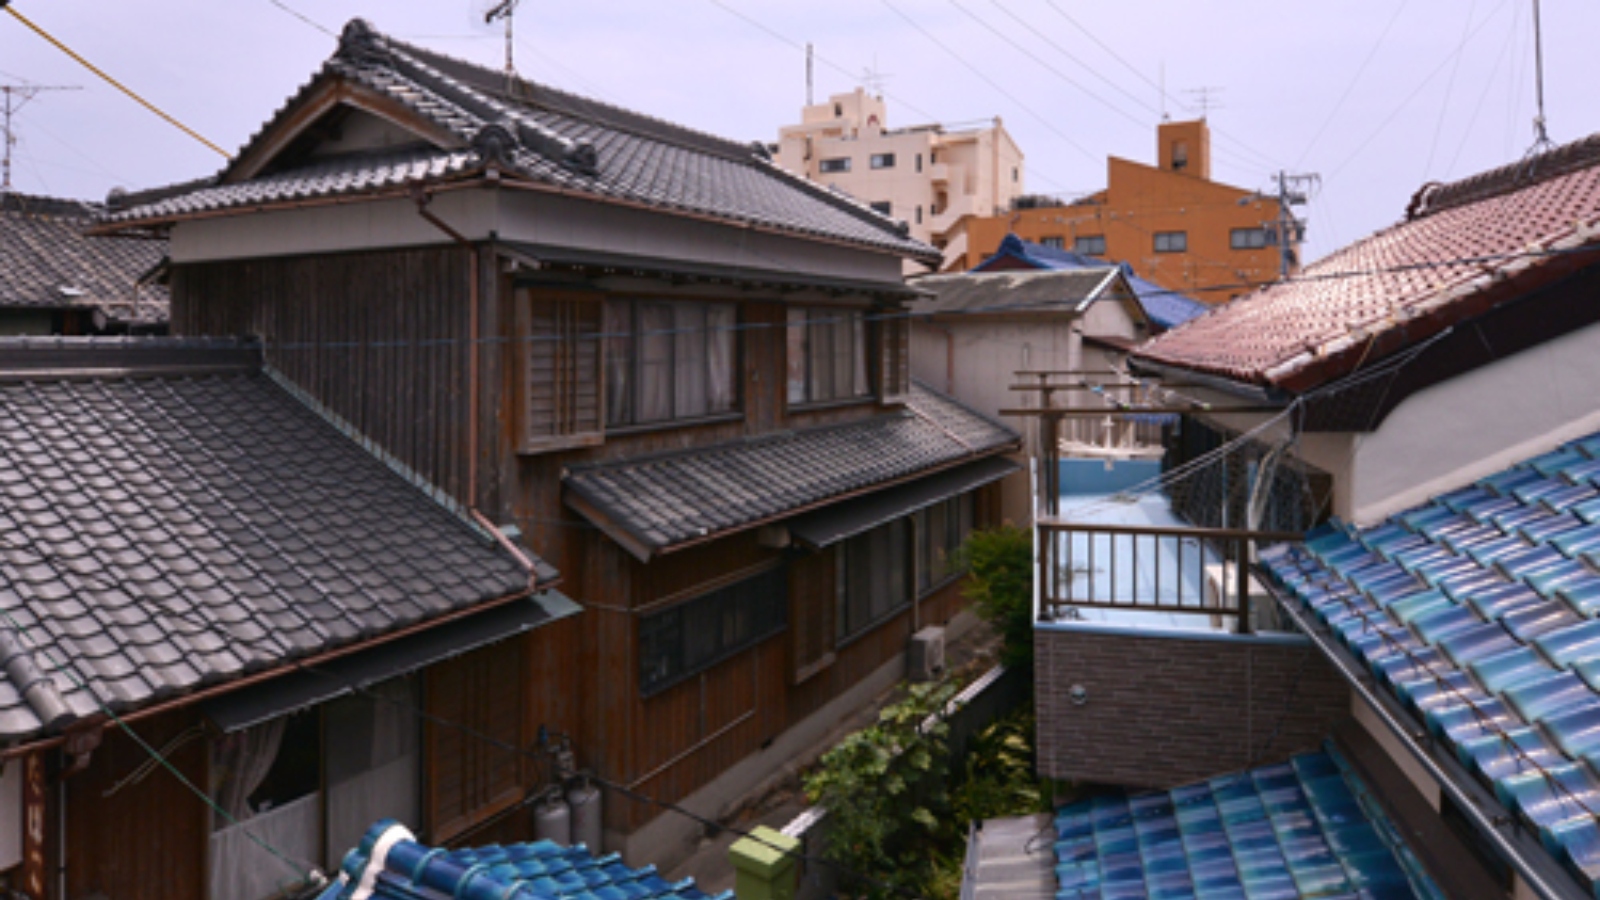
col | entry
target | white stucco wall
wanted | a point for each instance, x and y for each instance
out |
(522, 216)
(1476, 424)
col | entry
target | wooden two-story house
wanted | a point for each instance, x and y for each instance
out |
(680, 372)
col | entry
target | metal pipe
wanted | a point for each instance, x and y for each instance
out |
(423, 198)
(1470, 806)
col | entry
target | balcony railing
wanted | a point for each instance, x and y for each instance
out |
(1202, 572)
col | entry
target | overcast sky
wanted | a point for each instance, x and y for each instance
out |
(1376, 96)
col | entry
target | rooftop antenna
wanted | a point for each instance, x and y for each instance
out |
(1541, 139)
(873, 78)
(16, 97)
(505, 9)
(1206, 98)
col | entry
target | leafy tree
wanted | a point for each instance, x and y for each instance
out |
(884, 789)
(1001, 563)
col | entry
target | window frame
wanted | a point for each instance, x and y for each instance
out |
(763, 598)
(882, 207)
(896, 536)
(1170, 241)
(1252, 239)
(959, 515)
(1089, 244)
(881, 161)
(634, 382)
(1053, 241)
(863, 357)
(833, 165)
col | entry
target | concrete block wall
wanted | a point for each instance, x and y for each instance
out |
(1161, 709)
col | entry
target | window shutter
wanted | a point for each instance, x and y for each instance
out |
(563, 372)
(471, 779)
(813, 604)
(894, 358)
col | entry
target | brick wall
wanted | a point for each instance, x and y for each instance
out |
(1160, 711)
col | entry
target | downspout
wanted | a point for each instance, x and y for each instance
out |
(423, 198)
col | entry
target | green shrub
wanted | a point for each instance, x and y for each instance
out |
(1000, 561)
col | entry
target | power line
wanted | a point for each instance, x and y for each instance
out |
(1449, 88)
(1351, 85)
(1384, 125)
(303, 17)
(109, 80)
(1046, 122)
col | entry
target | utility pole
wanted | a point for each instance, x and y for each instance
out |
(16, 97)
(1288, 230)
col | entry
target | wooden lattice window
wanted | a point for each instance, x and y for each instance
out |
(894, 357)
(562, 369)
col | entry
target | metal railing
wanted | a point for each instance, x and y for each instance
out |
(1145, 569)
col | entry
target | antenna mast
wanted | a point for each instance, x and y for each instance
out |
(16, 97)
(505, 9)
(1541, 140)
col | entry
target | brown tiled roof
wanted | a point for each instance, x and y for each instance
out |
(1465, 247)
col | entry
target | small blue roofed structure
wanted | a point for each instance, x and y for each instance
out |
(389, 864)
(1303, 828)
(1166, 309)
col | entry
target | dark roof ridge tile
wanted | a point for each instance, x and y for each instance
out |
(1435, 197)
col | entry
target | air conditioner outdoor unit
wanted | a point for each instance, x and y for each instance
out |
(925, 656)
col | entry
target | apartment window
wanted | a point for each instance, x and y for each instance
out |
(940, 530)
(827, 355)
(1015, 175)
(693, 636)
(919, 214)
(872, 575)
(1247, 238)
(1172, 241)
(835, 164)
(881, 161)
(1090, 244)
(882, 207)
(919, 162)
(838, 110)
(1053, 241)
(668, 360)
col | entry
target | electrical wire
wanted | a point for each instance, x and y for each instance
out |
(1048, 123)
(11, 8)
(304, 18)
(1350, 86)
(1449, 89)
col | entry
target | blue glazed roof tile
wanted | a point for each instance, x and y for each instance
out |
(1506, 666)
(1167, 309)
(390, 864)
(1304, 828)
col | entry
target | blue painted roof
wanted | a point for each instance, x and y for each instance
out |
(1478, 611)
(390, 865)
(1304, 828)
(1168, 309)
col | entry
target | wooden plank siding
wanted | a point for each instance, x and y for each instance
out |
(132, 837)
(378, 337)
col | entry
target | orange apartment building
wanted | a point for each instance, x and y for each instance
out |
(1171, 222)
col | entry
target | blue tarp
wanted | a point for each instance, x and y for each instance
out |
(1167, 309)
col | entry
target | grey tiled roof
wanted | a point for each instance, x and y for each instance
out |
(540, 135)
(46, 262)
(159, 534)
(663, 501)
(1062, 290)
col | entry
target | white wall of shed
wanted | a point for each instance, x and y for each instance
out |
(1456, 432)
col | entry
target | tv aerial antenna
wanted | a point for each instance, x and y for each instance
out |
(1541, 138)
(505, 9)
(16, 96)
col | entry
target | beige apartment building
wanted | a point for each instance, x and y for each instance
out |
(931, 178)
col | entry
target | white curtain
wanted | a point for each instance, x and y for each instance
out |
(242, 870)
(239, 762)
(797, 348)
(654, 343)
(619, 361)
(720, 343)
(373, 763)
(690, 360)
